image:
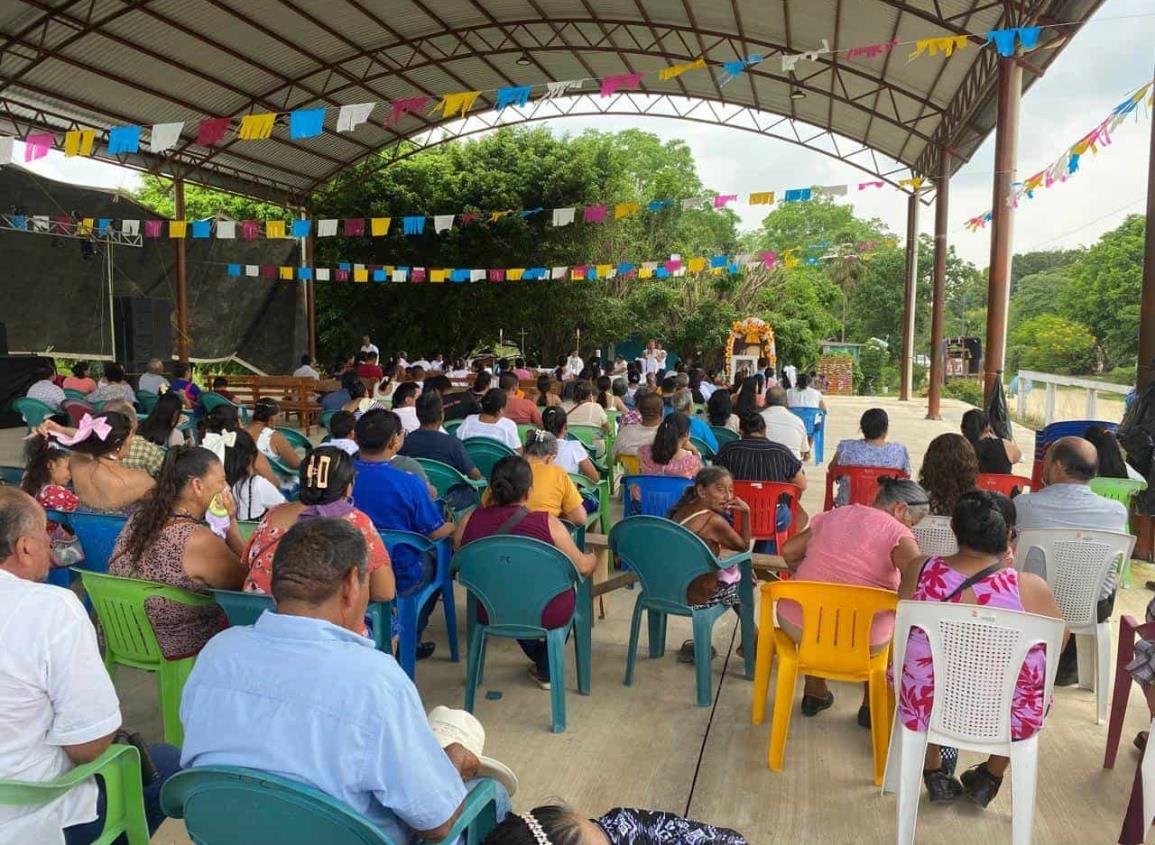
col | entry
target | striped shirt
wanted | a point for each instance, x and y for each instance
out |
(758, 459)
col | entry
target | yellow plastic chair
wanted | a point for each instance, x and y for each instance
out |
(632, 464)
(835, 645)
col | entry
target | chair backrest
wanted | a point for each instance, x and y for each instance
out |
(724, 435)
(451, 426)
(586, 434)
(763, 498)
(977, 654)
(863, 483)
(296, 439)
(97, 533)
(73, 393)
(836, 620)
(326, 416)
(147, 400)
(1005, 483)
(247, 528)
(632, 464)
(666, 556)
(12, 475)
(514, 578)
(211, 399)
(935, 536)
(33, 410)
(811, 416)
(1047, 435)
(651, 495)
(243, 608)
(704, 449)
(76, 409)
(1077, 562)
(1117, 489)
(445, 478)
(392, 538)
(485, 452)
(222, 805)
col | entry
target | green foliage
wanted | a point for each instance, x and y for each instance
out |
(1036, 295)
(1045, 261)
(1051, 343)
(968, 390)
(872, 360)
(200, 202)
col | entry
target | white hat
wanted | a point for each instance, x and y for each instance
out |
(461, 726)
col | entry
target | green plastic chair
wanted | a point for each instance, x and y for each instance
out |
(446, 478)
(1120, 490)
(147, 400)
(244, 608)
(707, 451)
(73, 393)
(119, 766)
(600, 489)
(724, 435)
(451, 426)
(247, 527)
(34, 411)
(224, 805)
(325, 417)
(514, 578)
(296, 441)
(130, 641)
(485, 452)
(667, 557)
(11, 475)
(523, 429)
(211, 399)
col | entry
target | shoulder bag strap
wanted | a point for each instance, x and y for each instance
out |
(513, 521)
(974, 579)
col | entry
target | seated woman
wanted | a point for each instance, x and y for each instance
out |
(166, 540)
(161, 427)
(608, 397)
(720, 411)
(671, 452)
(219, 422)
(508, 511)
(491, 422)
(254, 493)
(139, 452)
(872, 450)
(326, 490)
(949, 469)
(867, 545)
(357, 394)
(618, 389)
(184, 386)
(984, 524)
(270, 442)
(81, 379)
(571, 454)
(553, 490)
(114, 385)
(554, 824)
(101, 481)
(586, 410)
(1111, 461)
(995, 454)
(546, 397)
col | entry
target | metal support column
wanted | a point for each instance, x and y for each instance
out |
(307, 255)
(1002, 219)
(183, 346)
(938, 307)
(909, 297)
(1146, 370)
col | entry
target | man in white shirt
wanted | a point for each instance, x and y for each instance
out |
(784, 427)
(791, 373)
(367, 347)
(306, 370)
(437, 365)
(58, 708)
(405, 405)
(153, 380)
(574, 364)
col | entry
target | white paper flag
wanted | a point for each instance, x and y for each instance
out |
(322, 274)
(477, 275)
(7, 145)
(443, 222)
(226, 229)
(559, 272)
(692, 202)
(650, 265)
(253, 270)
(130, 227)
(352, 116)
(165, 136)
(400, 275)
(358, 266)
(831, 190)
(40, 223)
(326, 228)
(560, 89)
(563, 216)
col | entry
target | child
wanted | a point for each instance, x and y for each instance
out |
(254, 493)
(341, 426)
(46, 479)
(221, 386)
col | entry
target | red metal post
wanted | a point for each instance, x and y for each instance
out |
(938, 307)
(183, 345)
(1002, 219)
(1146, 370)
(909, 297)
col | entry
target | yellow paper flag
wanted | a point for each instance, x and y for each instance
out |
(78, 142)
(379, 226)
(176, 228)
(361, 275)
(257, 127)
(697, 265)
(437, 276)
(625, 209)
(677, 70)
(286, 274)
(274, 228)
(604, 270)
(494, 216)
(645, 273)
(914, 184)
(85, 227)
(458, 103)
(762, 198)
(515, 274)
(934, 46)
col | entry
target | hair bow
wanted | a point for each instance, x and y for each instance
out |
(88, 425)
(217, 443)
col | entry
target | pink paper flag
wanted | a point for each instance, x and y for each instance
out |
(401, 107)
(468, 217)
(37, 146)
(496, 275)
(342, 275)
(417, 275)
(871, 51)
(673, 265)
(211, 130)
(611, 84)
(268, 271)
(862, 186)
(153, 228)
(250, 229)
(580, 271)
(354, 227)
(769, 259)
(721, 200)
(594, 214)
(61, 223)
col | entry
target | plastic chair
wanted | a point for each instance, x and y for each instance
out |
(76, 409)
(1007, 484)
(1129, 631)
(1047, 435)
(1121, 490)
(130, 641)
(243, 608)
(667, 557)
(977, 653)
(1077, 562)
(409, 607)
(451, 426)
(11, 475)
(835, 645)
(325, 417)
(707, 452)
(119, 766)
(97, 533)
(863, 483)
(763, 498)
(657, 494)
(247, 527)
(147, 400)
(485, 452)
(34, 411)
(446, 478)
(814, 418)
(223, 805)
(514, 578)
(935, 536)
(211, 399)
(724, 435)
(523, 429)
(599, 490)
(73, 393)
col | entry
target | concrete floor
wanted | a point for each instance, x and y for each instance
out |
(649, 745)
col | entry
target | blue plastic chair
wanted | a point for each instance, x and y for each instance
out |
(1048, 434)
(243, 608)
(409, 607)
(485, 452)
(667, 557)
(12, 475)
(223, 805)
(658, 494)
(814, 419)
(514, 578)
(97, 533)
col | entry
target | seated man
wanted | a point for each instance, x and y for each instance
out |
(306, 370)
(431, 442)
(784, 427)
(153, 380)
(517, 408)
(457, 404)
(58, 708)
(633, 437)
(302, 694)
(45, 389)
(683, 401)
(221, 388)
(404, 405)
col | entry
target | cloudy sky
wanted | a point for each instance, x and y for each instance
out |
(1113, 55)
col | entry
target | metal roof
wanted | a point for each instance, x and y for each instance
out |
(101, 63)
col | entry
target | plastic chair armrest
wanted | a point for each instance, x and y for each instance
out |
(478, 484)
(15, 792)
(478, 814)
(739, 559)
(1132, 629)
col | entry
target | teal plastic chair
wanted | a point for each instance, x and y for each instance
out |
(244, 608)
(296, 441)
(446, 478)
(1120, 490)
(514, 578)
(97, 533)
(325, 417)
(119, 766)
(73, 393)
(451, 426)
(589, 436)
(11, 475)
(704, 449)
(724, 435)
(211, 399)
(34, 411)
(225, 805)
(147, 400)
(485, 452)
(666, 558)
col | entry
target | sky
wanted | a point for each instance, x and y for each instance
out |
(1112, 56)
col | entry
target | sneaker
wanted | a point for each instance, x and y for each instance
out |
(812, 705)
(980, 785)
(941, 787)
(545, 685)
(425, 650)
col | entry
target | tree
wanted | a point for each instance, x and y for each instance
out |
(1051, 343)
(1035, 295)
(1045, 261)
(200, 202)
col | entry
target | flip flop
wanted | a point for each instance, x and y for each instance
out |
(686, 652)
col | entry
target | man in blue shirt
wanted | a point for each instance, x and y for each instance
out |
(303, 695)
(683, 400)
(430, 442)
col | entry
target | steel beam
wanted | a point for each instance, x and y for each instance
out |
(938, 306)
(910, 297)
(183, 346)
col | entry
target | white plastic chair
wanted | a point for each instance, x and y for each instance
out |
(935, 536)
(1077, 561)
(978, 653)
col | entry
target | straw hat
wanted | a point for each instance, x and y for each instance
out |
(461, 726)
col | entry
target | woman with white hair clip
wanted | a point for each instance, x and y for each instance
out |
(557, 824)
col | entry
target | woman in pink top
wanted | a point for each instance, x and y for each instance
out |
(856, 544)
(671, 452)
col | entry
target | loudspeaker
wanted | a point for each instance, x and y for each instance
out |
(143, 329)
(3, 338)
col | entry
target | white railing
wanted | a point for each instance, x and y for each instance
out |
(1026, 378)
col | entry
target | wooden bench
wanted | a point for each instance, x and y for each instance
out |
(295, 394)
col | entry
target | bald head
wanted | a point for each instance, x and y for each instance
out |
(155, 365)
(24, 546)
(1071, 460)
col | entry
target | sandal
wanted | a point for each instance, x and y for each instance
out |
(686, 652)
(941, 787)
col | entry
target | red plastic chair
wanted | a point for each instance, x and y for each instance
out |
(76, 409)
(997, 482)
(763, 498)
(1129, 631)
(863, 483)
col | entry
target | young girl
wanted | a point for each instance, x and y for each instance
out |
(254, 493)
(46, 479)
(559, 825)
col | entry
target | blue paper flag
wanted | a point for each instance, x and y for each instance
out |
(1073, 163)
(345, 265)
(797, 195)
(534, 273)
(378, 275)
(234, 269)
(527, 212)
(305, 123)
(202, 228)
(305, 273)
(661, 272)
(517, 95)
(812, 261)
(102, 225)
(626, 268)
(1004, 41)
(718, 261)
(459, 276)
(19, 221)
(414, 225)
(732, 69)
(301, 228)
(1029, 36)
(592, 273)
(658, 205)
(124, 139)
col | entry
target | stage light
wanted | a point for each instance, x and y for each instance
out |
(523, 60)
